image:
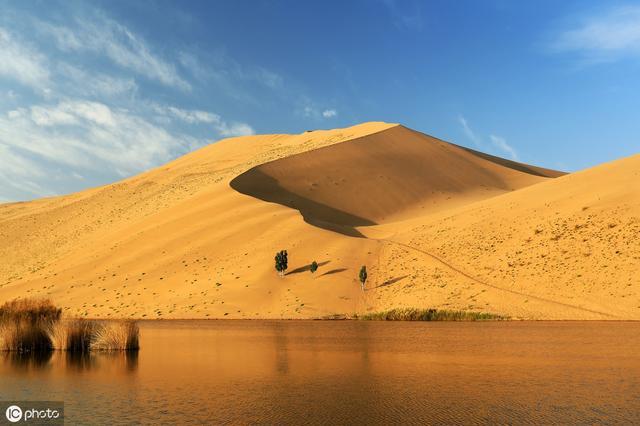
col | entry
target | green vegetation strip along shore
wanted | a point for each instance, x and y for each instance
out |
(413, 314)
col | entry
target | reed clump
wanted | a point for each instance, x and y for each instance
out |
(414, 314)
(31, 310)
(118, 336)
(35, 325)
(25, 325)
(76, 335)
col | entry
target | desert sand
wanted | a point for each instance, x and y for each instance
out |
(438, 226)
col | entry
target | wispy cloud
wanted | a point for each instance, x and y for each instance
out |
(501, 143)
(104, 36)
(88, 135)
(468, 132)
(22, 63)
(328, 113)
(308, 109)
(405, 14)
(496, 141)
(95, 84)
(87, 124)
(197, 116)
(607, 36)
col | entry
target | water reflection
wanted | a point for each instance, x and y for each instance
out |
(79, 361)
(125, 361)
(345, 372)
(280, 345)
(27, 361)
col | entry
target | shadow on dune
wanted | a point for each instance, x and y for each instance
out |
(389, 282)
(257, 184)
(306, 268)
(334, 271)
(373, 178)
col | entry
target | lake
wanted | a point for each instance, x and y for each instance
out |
(346, 372)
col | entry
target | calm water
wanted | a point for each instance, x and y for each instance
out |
(293, 372)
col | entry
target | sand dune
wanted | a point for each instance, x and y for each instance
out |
(438, 225)
(391, 175)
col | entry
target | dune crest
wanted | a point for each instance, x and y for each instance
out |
(386, 176)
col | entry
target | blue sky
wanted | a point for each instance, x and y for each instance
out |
(92, 92)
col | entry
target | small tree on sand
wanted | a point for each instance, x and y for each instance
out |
(363, 276)
(281, 262)
(314, 266)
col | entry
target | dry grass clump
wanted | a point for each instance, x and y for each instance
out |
(413, 314)
(31, 310)
(22, 336)
(33, 325)
(118, 336)
(25, 325)
(77, 335)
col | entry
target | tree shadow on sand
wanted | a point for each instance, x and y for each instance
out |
(306, 268)
(334, 271)
(389, 282)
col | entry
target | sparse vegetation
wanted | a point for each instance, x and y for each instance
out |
(414, 314)
(34, 326)
(118, 336)
(282, 262)
(25, 325)
(32, 310)
(75, 335)
(313, 267)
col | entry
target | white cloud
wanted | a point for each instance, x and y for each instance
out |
(16, 113)
(468, 132)
(502, 144)
(194, 116)
(85, 83)
(43, 116)
(92, 124)
(197, 116)
(497, 141)
(311, 110)
(607, 36)
(100, 139)
(21, 62)
(234, 129)
(104, 36)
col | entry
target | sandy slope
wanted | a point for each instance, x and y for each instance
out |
(445, 227)
(563, 249)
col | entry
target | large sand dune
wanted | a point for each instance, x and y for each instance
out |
(382, 177)
(437, 225)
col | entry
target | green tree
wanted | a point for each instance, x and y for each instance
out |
(281, 262)
(314, 266)
(363, 276)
